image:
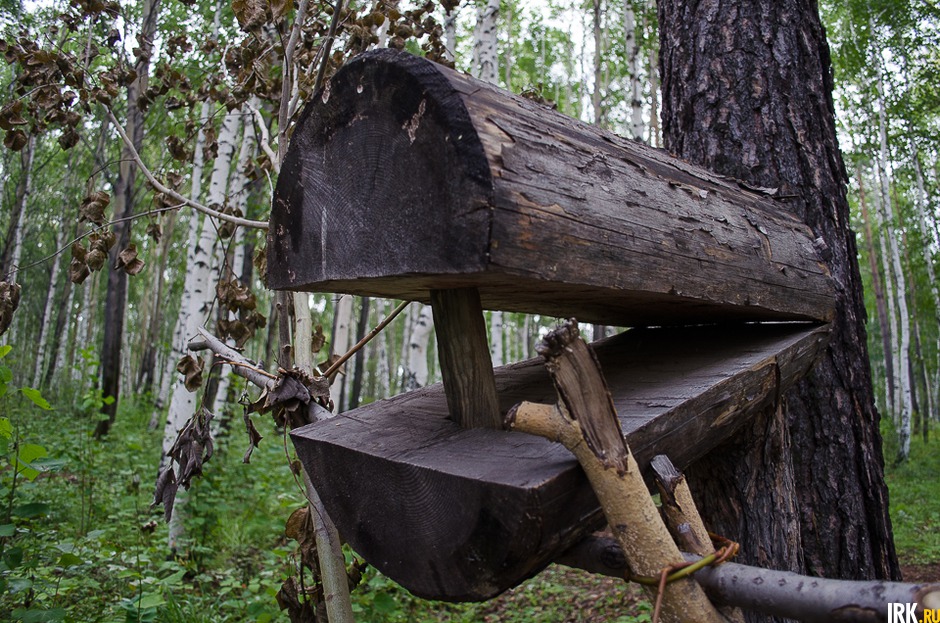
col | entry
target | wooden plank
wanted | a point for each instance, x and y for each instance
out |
(405, 176)
(466, 367)
(460, 514)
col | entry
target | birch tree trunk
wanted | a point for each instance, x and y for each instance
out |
(342, 319)
(881, 307)
(634, 88)
(48, 307)
(416, 371)
(904, 320)
(450, 34)
(198, 291)
(382, 363)
(485, 35)
(13, 242)
(597, 92)
(123, 201)
(496, 338)
(927, 245)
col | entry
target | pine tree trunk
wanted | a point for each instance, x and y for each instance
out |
(759, 108)
(123, 201)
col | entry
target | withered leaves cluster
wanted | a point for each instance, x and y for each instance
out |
(288, 399)
(238, 299)
(191, 368)
(87, 260)
(192, 448)
(9, 301)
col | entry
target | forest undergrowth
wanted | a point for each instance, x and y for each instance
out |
(79, 541)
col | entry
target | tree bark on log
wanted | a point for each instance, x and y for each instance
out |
(472, 186)
(585, 422)
(779, 132)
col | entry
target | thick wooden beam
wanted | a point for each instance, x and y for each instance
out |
(460, 514)
(404, 177)
(466, 367)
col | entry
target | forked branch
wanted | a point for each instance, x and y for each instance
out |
(584, 420)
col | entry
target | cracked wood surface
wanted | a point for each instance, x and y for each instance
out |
(404, 177)
(460, 514)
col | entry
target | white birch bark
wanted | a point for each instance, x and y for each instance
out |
(381, 363)
(635, 88)
(23, 190)
(416, 372)
(598, 86)
(47, 314)
(927, 245)
(342, 319)
(904, 334)
(239, 185)
(198, 291)
(496, 338)
(450, 34)
(485, 57)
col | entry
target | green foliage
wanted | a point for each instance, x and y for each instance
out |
(915, 503)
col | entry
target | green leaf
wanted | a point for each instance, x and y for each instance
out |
(384, 603)
(6, 374)
(6, 428)
(36, 396)
(174, 578)
(108, 400)
(39, 616)
(5, 350)
(151, 601)
(69, 560)
(28, 453)
(33, 509)
(7, 529)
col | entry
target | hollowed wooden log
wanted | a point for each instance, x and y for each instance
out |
(463, 514)
(404, 177)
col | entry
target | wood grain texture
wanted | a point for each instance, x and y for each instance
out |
(464, 352)
(404, 176)
(461, 514)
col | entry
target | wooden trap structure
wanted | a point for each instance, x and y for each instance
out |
(405, 179)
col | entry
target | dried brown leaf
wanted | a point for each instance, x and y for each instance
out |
(93, 207)
(96, 259)
(14, 140)
(191, 368)
(254, 437)
(78, 271)
(9, 301)
(128, 261)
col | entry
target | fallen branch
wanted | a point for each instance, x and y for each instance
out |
(773, 593)
(585, 422)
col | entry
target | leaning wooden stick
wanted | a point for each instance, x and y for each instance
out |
(585, 422)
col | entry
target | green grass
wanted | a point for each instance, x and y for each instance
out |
(915, 501)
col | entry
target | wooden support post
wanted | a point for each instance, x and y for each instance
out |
(466, 367)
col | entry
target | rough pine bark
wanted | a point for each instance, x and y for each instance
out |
(747, 92)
